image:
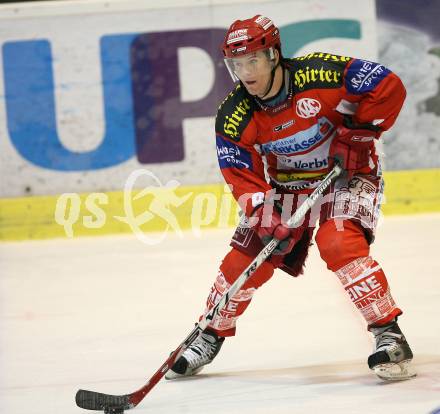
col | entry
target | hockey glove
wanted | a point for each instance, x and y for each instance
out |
(352, 145)
(269, 224)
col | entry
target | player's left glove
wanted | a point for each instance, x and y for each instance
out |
(352, 145)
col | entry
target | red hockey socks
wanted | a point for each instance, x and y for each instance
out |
(346, 252)
(232, 266)
(365, 282)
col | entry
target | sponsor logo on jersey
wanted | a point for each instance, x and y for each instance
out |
(234, 120)
(307, 107)
(284, 178)
(363, 76)
(300, 185)
(287, 124)
(301, 141)
(231, 156)
(325, 57)
(298, 164)
(317, 77)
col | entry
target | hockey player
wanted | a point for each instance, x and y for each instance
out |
(278, 133)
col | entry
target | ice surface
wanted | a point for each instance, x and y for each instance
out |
(103, 314)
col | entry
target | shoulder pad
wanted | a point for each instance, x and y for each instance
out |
(317, 71)
(234, 113)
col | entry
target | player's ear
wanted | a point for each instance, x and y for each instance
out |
(277, 56)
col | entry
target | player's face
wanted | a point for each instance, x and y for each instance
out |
(254, 70)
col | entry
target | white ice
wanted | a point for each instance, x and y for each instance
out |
(104, 313)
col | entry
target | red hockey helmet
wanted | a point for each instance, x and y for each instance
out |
(250, 35)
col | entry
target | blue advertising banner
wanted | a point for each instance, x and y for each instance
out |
(141, 87)
(135, 87)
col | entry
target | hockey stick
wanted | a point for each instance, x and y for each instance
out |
(116, 404)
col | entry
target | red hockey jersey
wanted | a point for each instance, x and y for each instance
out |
(287, 146)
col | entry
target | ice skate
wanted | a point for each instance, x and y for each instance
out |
(200, 353)
(391, 359)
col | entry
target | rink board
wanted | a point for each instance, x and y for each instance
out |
(192, 207)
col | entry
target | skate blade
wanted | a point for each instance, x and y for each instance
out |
(171, 375)
(395, 372)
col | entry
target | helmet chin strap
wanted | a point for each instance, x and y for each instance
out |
(272, 78)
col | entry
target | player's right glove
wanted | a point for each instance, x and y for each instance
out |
(352, 145)
(271, 225)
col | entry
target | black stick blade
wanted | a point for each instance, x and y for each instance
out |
(91, 400)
